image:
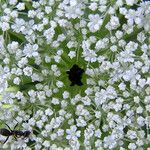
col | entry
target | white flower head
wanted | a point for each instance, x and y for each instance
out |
(95, 22)
(72, 133)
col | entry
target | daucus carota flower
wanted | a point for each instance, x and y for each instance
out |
(75, 74)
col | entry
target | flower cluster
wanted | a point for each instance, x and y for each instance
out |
(40, 40)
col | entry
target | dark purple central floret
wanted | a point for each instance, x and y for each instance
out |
(75, 75)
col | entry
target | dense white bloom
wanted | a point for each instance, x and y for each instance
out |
(74, 10)
(98, 114)
(59, 84)
(109, 42)
(132, 134)
(95, 22)
(17, 80)
(3, 84)
(141, 121)
(19, 25)
(28, 71)
(4, 26)
(55, 101)
(72, 54)
(12, 2)
(65, 94)
(31, 50)
(90, 55)
(122, 86)
(72, 133)
(81, 122)
(113, 24)
(130, 2)
(46, 144)
(93, 6)
(102, 43)
(21, 6)
(132, 146)
(48, 112)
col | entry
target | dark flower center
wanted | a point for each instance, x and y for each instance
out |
(75, 75)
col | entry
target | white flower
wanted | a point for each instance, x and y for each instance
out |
(130, 2)
(113, 48)
(102, 43)
(41, 96)
(142, 82)
(72, 133)
(123, 10)
(34, 52)
(122, 86)
(19, 25)
(53, 136)
(75, 145)
(48, 112)
(141, 121)
(93, 6)
(136, 99)
(119, 3)
(72, 54)
(60, 132)
(73, 2)
(57, 58)
(21, 6)
(16, 80)
(39, 124)
(59, 84)
(102, 8)
(131, 134)
(111, 10)
(55, 90)
(119, 34)
(131, 46)
(98, 133)
(132, 146)
(4, 26)
(12, 2)
(110, 142)
(64, 104)
(31, 50)
(97, 114)
(28, 71)
(12, 47)
(74, 10)
(98, 144)
(139, 143)
(95, 22)
(22, 62)
(46, 144)
(88, 91)
(6, 60)
(141, 37)
(113, 24)
(49, 33)
(31, 13)
(3, 84)
(55, 101)
(48, 9)
(81, 122)
(65, 94)
(89, 55)
(47, 59)
(102, 2)
(146, 22)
